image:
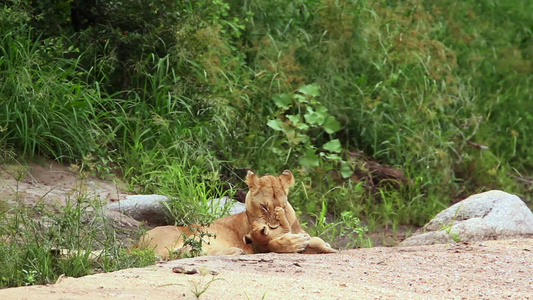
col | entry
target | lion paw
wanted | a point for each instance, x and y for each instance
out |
(290, 243)
(228, 251)
(300, 242)
(279, 213)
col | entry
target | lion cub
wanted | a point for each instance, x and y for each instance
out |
(261, 235)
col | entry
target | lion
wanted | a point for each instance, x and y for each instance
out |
(272, 217)
(227, 235)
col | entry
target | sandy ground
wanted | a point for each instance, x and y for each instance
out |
(53, 183)
(487, 270)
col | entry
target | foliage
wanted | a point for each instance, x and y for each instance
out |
(192, 245)
(303, 115)
(348, 227)
(200, 286)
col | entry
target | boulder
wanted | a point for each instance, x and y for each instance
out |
(149, 208)
(491, 215)
(120, 220)
(234, 207)
(152, 208)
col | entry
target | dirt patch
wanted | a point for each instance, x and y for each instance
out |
(52, 183)
(488, 270)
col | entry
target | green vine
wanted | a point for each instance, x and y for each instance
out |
(303, 119)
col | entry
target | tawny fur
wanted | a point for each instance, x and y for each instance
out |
(227, 237)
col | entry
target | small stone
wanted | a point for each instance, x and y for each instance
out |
(182, 270)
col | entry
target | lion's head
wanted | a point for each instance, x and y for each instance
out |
(265, 194)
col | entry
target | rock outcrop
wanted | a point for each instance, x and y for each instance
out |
(492, 215)
(149, 208)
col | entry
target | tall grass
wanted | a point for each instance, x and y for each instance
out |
(41, 107)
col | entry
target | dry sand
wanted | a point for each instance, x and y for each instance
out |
(487, 270)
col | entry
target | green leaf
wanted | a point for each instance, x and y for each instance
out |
(295, 119)
(331, 125)
(333, 146)
(300, 98)
(333, 156)
(303, 126)
(309, 116)
(316, 117)
(322, 110)
(321, 114)
(309, 159)
(276, 124)
(294, 139)
(346, 171)
(304, 138)
(282, 100)
(310, 90)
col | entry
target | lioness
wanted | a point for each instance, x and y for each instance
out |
(264, 196)
(272, 218)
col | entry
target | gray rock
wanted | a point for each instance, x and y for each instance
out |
(486, 216)
(471, 230)
(219, 204)
(149, 208)
(121, 220)
(428, 238)
(152, 208)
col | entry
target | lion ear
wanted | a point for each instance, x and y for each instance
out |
(252, 180)
(287, 180)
